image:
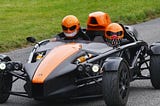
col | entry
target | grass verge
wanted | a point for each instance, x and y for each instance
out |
(42, 18)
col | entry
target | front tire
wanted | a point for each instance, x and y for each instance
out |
(155, 71)
(5, 86)
(5, 81)
(116, 86)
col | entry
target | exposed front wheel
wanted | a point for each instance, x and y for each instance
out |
(155, 71)
(116, 85)
(5, 86)
(5, 81)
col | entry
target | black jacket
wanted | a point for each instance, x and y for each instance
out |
(79, 36)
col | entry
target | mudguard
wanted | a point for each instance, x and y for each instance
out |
(4, 57)
(155, 49)
(112, 64)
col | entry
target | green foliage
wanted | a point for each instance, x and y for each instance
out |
(42, 18)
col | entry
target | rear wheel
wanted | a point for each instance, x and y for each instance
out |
(116, 86)
(155, 71)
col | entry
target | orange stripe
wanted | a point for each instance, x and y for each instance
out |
(53, 59)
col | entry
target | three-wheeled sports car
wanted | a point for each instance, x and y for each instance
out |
(81, 69)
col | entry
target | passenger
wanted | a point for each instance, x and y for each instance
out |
(114, 34)
(71, 29)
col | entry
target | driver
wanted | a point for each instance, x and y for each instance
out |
(114, 33)
(71, 29)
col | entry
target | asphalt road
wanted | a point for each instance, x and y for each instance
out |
(141, 93)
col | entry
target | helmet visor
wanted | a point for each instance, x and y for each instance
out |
(72, 28)
(110, 33)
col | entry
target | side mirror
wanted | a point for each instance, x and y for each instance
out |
(31, 39)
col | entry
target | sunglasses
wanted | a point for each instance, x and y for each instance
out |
(70, 28)
(110, 33)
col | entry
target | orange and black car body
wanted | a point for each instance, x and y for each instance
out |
(74, 69)
(55, 75)
(52, 74)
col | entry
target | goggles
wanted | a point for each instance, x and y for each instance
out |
(70, 28)
(110, 33)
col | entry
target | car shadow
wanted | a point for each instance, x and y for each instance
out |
(77, 102)
(139, 91)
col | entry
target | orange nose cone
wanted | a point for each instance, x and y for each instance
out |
(54, 58)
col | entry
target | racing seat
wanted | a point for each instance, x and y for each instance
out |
(96, 24)
(130, 35)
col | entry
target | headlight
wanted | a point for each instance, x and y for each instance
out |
(11, 66)
(17, 66)
(40, 55)
(88, 67)
(80, 68)
(84, 58)
(95, 68)
(2, 66)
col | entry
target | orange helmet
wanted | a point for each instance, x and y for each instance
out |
(98, 21)
(70, 26)
(114, 33)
